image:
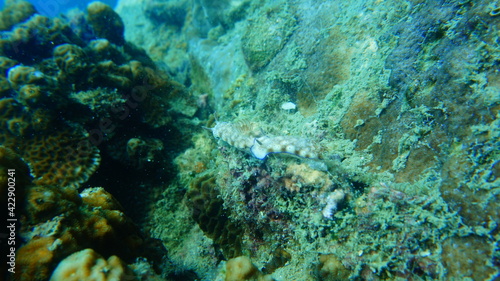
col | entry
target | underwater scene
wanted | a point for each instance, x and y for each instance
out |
(260, 140)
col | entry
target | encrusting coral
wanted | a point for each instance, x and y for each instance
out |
(64, 157)
(209, 213)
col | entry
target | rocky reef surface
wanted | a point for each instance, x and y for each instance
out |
(254, 140)
(403, 99)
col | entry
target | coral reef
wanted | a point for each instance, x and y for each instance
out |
(396, 105)
(72, 88)
(266, 35)
(15, 12)
(402, 98)
(59, 155)
(67, 99)
(58, 222)
(89, 265)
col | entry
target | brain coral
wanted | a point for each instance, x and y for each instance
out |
(71, 59)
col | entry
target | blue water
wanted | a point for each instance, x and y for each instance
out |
(53, 8)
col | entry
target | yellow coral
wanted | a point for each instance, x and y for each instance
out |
(45, 202)
(34, 259)
(17, 126)
(5, 64)
(98, 197)
(89, 265)
(241, 268)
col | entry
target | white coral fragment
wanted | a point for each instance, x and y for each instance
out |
(333, 200)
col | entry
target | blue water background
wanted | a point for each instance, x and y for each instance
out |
(53, 8)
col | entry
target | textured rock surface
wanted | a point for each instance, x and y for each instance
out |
(403, 97)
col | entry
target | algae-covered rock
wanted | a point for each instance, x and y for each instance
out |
(403, 96)
(170, 13)
(266, 35)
